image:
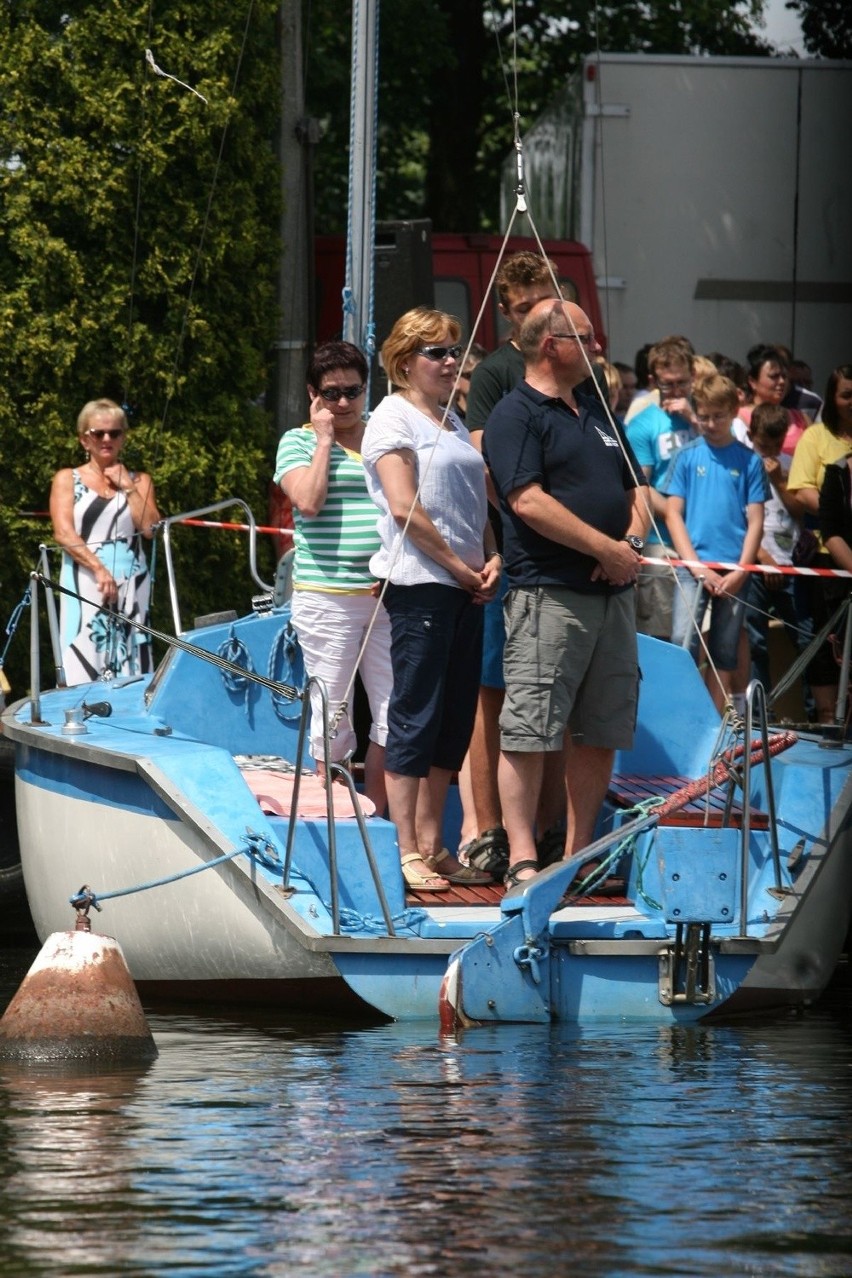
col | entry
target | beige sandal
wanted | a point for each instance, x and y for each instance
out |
(419, 881)
(466, 875)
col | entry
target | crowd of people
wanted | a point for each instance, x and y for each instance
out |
(530, 523)
(511, 640)
(485, 546)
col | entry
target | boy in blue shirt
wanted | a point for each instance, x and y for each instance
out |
(715, 494)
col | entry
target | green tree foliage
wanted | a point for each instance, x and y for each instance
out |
(826, 26)
(111, 180)
(448, 74)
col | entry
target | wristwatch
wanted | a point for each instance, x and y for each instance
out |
(635, 543)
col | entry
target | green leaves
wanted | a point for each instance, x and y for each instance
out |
(448, 74)
(138, 257)
(826, 26)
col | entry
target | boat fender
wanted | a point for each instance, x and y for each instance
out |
(77, 1002)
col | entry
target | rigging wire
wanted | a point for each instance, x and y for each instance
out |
(205, 224)
(178, 353)
(134, 261)
(599, 146)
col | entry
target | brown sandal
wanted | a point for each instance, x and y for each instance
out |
(490, 853)
(465, 875)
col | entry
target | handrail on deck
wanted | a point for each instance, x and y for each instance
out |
(52, 618)
(166, 526)
(332, 770)
(755, 693)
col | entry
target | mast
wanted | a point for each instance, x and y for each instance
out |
(297, 136)
(358, 313)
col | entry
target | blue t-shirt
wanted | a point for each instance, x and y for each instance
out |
(716, 484)
(531, 438)
(656, 438)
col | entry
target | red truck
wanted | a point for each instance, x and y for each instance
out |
(415, 266)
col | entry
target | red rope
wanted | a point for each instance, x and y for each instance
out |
(787, 570)
(721, 772)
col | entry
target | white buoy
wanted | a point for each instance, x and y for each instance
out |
(77, 1001)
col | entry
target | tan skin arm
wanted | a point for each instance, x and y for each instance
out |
(715, 582)
(307, 486)
(143, 510)
(398, 476)
(772, 580)
(682, 543)
(840, 552)
(617, 562)
(476, 437)
(656, 499)
(733, 582)
(139, 491)
(640, 517)
(791, 500)
(808, 500)
(64, 532)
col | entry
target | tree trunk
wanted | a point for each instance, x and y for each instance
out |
(455, 95)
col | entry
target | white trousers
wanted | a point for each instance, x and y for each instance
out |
(331, 630)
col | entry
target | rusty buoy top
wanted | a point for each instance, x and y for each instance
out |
(77, 1001)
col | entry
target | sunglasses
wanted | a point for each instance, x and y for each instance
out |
(105, 434)
(439, 353)
(331, 394)
(588, 339)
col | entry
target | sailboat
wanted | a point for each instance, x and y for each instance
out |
(178, 813)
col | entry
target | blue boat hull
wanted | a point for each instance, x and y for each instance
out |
(150, 808)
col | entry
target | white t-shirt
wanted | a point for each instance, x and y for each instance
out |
(451, 474)
(780, 529)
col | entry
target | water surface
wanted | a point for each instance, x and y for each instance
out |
(258, 1145)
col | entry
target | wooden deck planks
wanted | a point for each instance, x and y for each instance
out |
(707, 810)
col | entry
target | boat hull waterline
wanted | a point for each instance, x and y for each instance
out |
(158, 788)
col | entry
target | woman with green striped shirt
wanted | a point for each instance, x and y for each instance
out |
(334, 594)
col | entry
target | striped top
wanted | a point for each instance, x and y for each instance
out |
(333, 549)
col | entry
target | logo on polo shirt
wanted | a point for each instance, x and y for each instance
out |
(607, 439)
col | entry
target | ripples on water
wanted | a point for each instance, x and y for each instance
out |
(256, 1146)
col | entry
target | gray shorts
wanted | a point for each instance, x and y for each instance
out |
(570, 662)
(655, 593)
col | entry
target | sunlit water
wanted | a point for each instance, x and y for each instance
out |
(262, 1146)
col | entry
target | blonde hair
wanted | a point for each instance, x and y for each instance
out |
(421, 326)
(702, 368)
(107, 406)
(612, 377)
(717, 392)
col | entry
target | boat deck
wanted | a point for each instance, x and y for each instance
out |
(492, 894)
(709, 810)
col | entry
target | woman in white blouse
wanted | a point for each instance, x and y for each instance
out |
(438, 558)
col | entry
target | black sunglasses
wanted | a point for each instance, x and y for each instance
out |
(439, 353)
(331, 394)
(105, 434)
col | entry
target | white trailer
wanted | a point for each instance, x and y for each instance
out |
(714, 193)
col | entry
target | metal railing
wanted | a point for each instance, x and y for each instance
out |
(332, 770)
(755, 694)
(166, 526)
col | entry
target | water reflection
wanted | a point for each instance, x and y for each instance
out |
(253, 1147)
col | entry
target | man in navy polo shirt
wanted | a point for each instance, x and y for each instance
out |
(574, 520)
